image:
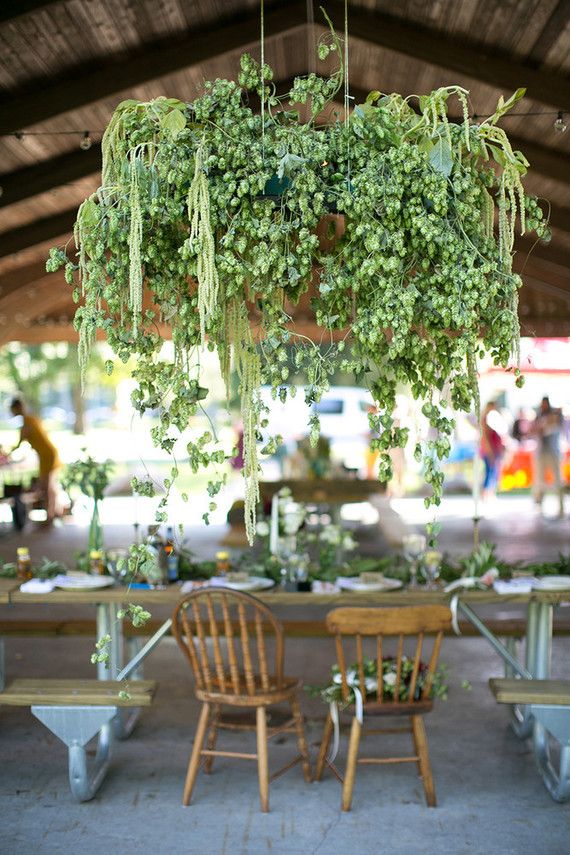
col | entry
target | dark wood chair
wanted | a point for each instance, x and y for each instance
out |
(223, 635)
(350, 626)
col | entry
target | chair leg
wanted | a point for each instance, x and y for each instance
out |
(350, 774)
(420, 742)
(194, 763)
(327, 733)
(301, 741)
(262, 762)
(212, 737)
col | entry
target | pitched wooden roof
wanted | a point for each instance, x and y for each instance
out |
(64, 65)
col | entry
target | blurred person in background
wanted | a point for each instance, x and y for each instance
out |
(491, 449)
(34, 433)
(521, 426)
(547, 427)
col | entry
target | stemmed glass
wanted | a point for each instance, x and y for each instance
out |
(414, 547)
(432, 562)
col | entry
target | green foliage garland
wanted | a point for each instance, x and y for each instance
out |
(208, 222)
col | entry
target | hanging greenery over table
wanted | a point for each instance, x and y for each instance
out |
(214, 219)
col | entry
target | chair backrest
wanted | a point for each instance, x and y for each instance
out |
(223, 635)
(411, 677)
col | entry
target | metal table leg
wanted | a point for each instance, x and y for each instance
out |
(2, 665)
(538, 657)
(109, 624)
(555, 721)
(104, 628)
(521, 716)
(76, 726)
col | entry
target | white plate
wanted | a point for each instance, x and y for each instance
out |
(254, 583)
(552, 583)
(83, 583)
(387, 584)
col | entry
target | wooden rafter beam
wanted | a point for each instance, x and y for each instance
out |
(82, 85)
(10, 9)
(57, 171)
(533, 248)
(443, 50)
(48, 228)
(48, 174)
(24, 275)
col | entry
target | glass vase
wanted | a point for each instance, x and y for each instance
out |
(95, 541)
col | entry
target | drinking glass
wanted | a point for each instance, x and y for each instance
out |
(113, 557)
(432, 562)
(414, 547)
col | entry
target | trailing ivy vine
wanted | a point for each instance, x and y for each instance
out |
(399, 221)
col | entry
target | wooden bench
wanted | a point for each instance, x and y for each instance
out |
(76, 711)
(48, 692)
(502, 627)
(513, 691)
(549, 704)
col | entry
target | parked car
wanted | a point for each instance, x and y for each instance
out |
(343, 413)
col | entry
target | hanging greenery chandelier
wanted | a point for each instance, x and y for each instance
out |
(214, 219)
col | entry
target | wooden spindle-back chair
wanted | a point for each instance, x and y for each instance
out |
(356, 626)
(223, 634)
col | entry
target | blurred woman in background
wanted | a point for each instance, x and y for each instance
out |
(34, 433)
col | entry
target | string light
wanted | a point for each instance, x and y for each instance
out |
(86, 142)
(559, 123)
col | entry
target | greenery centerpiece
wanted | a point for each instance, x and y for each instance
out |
(213, 219)
(90, 477)
(388, 688)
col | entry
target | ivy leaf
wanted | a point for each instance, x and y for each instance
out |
(441, 157)
(173, 123)
(373, 96)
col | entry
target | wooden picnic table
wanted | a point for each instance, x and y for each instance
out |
(319, 491)
(539, 621)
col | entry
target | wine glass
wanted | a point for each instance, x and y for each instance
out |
(432, 562)
(414, 547)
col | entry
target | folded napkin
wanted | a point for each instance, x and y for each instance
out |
(38, 586)
(522, 585)
(318, 587)
(192, 584)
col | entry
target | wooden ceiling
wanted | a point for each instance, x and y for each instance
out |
(65, 64)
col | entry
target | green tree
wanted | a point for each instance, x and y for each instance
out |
(33, 369)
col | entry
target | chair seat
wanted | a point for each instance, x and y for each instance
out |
(390, 708)
(260, 698)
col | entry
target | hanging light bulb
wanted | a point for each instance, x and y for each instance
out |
(86, 141)
(559, 123)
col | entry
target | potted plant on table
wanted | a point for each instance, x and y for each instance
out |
(90, 477)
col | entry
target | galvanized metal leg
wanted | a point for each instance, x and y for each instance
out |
(76, 726)
(554, 720)
(103, 629)
(126, 718)
(538, 659)
(2, 665)
(543, 654)
(109, 624)
(521, 717)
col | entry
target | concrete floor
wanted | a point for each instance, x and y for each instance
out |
(490, 798)
(491, 801)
